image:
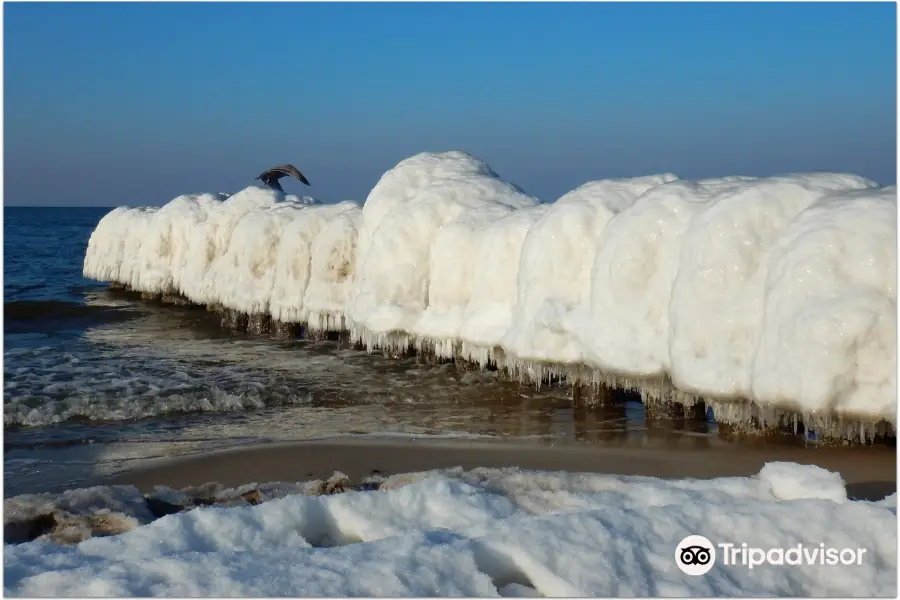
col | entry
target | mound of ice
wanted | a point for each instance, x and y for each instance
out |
(294, 259)
(103, 257)
(452, 257)
(495, 269)
(717, 296)
(401, 183)
(114, 246)
(485, 532)
(163, 251)
(243, 276)
(212, 238)
(829, 332)
(555, 266)
(779, 290)
(333, 266)
(789, 481)
(632, 276)
(393, 280)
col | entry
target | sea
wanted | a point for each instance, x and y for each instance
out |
(97, 381)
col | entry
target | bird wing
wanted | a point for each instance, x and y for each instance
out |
(290, 170)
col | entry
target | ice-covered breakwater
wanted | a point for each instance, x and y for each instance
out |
(767, 298)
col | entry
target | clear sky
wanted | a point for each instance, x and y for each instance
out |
(109, 104)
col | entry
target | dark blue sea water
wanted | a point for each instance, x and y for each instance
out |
(97, 381)
(43, 253)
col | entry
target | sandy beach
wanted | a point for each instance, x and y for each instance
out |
(868, 472)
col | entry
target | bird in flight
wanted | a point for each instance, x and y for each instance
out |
(271, 177)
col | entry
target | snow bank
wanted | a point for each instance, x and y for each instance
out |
(778, 291)
(114, 245)
(717, 296)
(492, 303)
(403, 182)
(393, 281)
(829, 333)
(294, 258)
(334, 252)
(555, 266)
(163, 249)
(486, 532)
(242, 277)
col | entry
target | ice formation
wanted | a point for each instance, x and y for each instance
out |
(777, 291)
(393, 282)
(294, 259)
(485, 532)
(555, 266)
(332, 267)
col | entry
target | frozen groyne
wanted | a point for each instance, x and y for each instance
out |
(772, 300)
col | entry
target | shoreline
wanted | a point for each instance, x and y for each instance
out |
(589, 387)
(868, 473)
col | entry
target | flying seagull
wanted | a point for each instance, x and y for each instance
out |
(271, 177)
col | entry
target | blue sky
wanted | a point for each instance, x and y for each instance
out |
(109, 104)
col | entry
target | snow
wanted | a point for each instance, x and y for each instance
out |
(831, 307)
(210, 241)
(333, 264)
(786, 482)
(393, 282)
(294, 256)
(717, 296)
(244, 275)
(485, 532)
(780, 291)
(489, 312)
(163, 254)
(555, 266)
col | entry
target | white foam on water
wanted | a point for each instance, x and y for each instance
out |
(43, 386)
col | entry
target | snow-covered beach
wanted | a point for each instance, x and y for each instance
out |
(770, 301)
(479, 299)
(475, 532)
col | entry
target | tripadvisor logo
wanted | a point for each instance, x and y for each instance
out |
(696, 555)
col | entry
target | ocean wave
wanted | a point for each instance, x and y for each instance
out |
(45, 386)
(34, 411)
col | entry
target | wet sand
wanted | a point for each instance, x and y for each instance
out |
(870, 473)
